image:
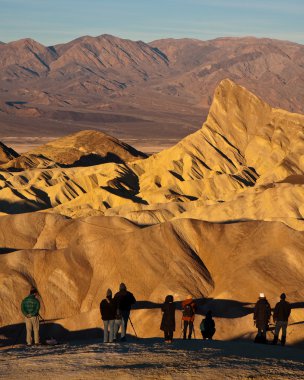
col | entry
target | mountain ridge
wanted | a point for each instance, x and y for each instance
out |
(168, 82)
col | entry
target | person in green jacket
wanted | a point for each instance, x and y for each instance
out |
(30, 307)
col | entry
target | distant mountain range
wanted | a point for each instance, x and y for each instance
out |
(133, 88)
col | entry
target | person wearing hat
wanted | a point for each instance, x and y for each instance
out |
(108, 311)
(123, 301)
(261, 316)
(189, 308)
(281, 314)
(30, 307)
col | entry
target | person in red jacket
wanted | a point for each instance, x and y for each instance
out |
(189, 308)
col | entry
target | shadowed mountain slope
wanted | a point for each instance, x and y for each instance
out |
(6, 153)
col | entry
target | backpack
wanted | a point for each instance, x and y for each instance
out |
(188, 311)
(202, 325)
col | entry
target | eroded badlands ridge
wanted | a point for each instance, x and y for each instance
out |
(147, 222)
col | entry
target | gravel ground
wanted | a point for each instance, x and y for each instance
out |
(152, 359)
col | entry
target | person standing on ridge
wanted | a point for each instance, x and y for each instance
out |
(281, 314)
(207, 326)
(189, 308)
(168, 319)
(123, 301)
(261, 316)
(108, 311)
(30, 307)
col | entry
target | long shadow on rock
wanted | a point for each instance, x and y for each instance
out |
(220, 307)
(16, 334)
(95, 159)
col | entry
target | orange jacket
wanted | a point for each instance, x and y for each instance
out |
(193, 305)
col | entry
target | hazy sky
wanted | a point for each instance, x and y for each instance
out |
(55, 21)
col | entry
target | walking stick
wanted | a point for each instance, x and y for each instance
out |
(133, 327)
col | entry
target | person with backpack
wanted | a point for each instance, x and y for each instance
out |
(207, 326)
(30, 307)
(189, 308)
(168, 318)
(261, 317)
(108, 312)
(123, 300)
(281, 314)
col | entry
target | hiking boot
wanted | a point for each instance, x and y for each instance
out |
(283, 340)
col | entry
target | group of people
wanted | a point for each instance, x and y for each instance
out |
(189, 308)
(262, 315)
(115, 313)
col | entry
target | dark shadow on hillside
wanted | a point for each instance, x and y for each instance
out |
(20, 207)
(4, 250)
(95, 159)
(16, 334)
(220, 307)
(126, 185)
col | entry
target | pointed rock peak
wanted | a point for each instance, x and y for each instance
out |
(228, 90)
(231, 99)
(6, 153)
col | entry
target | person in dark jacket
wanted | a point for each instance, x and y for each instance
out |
(30, 307)
(261, 316)
(123, 301)
(189, 308)
(207, 326)
(168, 319)
(108, 312)
(280, 317)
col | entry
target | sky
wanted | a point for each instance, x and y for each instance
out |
(55, 21)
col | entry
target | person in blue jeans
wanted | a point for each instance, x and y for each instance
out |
(108, 312)
(123, 300)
